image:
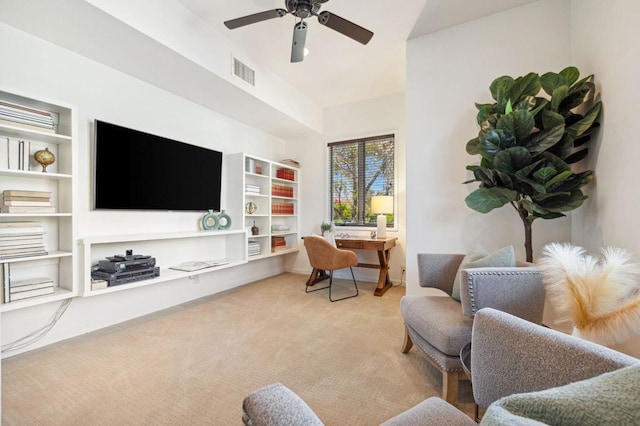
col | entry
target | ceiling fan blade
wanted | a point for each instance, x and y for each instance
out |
(345, 27)
(299, 39)
(256, 17)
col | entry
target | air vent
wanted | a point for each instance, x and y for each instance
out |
(244, 72)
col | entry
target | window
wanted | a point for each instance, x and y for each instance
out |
(358, 170)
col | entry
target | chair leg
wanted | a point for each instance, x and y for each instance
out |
(450, 386)
(407, 343)
(331, 282)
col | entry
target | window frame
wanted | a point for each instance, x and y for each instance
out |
(328, 215)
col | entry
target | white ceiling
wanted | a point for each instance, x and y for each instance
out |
(339, 70)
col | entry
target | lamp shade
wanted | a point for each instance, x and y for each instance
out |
(382, 204)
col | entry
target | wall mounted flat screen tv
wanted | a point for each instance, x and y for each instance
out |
(134, 170)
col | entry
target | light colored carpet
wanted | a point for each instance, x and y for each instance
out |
(194, 364)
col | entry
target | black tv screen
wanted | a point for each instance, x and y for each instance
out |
(134, 170)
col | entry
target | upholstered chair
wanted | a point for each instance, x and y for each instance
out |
(323, 256)
(440, 326)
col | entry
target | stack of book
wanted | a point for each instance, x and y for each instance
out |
(282, 208)
(291, 162)
(287, 174)
(21, 239)
(20, 201)
(12, 114)
(279, 228)
(254, 248)
(251, 189)
(19, 290)
(278, 243)
(281, 191)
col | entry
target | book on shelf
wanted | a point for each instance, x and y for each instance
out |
(27, 249)
(286, 174)
(30, 284)
(30, 293)
(27, 126)
(17, 198)
(26, 203)
(196, 265)
(14, 242)
(26, 193)
(290, 162)
(27, 230)
(19, 255)
(9, 238)
(27, 209)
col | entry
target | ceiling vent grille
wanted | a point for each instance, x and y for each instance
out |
(244, 72)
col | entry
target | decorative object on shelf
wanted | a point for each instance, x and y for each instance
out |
(251, 165)
(528, 144)
(599, 296)
(291, 162)
(224, 220)
(373, 234)
(382, 205)
(254, 229)
(325, 226)
(45, 158)
(258, 170)
(210, 221)
(250, 207)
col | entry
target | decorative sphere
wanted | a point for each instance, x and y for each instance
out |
(45, 158)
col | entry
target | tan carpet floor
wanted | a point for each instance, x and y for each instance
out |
(193, 364)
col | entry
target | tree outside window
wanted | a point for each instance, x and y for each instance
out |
(358, 170)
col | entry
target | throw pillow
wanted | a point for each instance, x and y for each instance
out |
(330, 238)
(610, 398)
(480, 258)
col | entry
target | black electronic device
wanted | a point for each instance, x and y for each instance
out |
(134, 170)
(126, 276)
(122, 269)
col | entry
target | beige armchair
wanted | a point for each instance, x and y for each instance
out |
(323, 256)
(441, 326)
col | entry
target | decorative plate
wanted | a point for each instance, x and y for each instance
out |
(210, 221)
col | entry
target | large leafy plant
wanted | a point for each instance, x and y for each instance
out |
(529, 140)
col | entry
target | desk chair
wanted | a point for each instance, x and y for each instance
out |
(324, 256)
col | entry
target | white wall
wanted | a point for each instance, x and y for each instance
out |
(369, 118)
(35, 66)
(447, 72)
(605, 38)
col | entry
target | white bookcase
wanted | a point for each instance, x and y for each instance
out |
(60, 235)
(273, 188)
(168, 249)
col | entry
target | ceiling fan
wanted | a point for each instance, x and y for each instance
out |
(304, 9)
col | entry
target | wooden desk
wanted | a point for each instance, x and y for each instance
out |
(382, 245)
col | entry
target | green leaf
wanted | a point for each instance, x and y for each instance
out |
(528, 103)
(512, 159)
(493, 142)
(480, 106)
(500, 91)
(545, 139)
(577, 156)
(484, 200)
(530, 186)
(576, 97)
(543, 174)
(472, 146)
(559, 93)
(524, 172)
(583, 125)
(570, 75)
(503, 179)
(564, 148)
(563, 202)
(551, 81)
(486, 176)
(528, 85)
(541, 104)
(572, 183)
(559, 178)
(509, 108)
(485, 112)
(558, 163)
(542, 197)
(551, 119)
(519, 123)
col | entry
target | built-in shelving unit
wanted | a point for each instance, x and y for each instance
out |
(169, 249)
(59, 264)
(265, 194)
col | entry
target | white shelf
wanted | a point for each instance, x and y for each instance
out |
(60, 230)
(168, 249)
(240, 173)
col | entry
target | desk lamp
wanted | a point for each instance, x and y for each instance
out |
(382, 205)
